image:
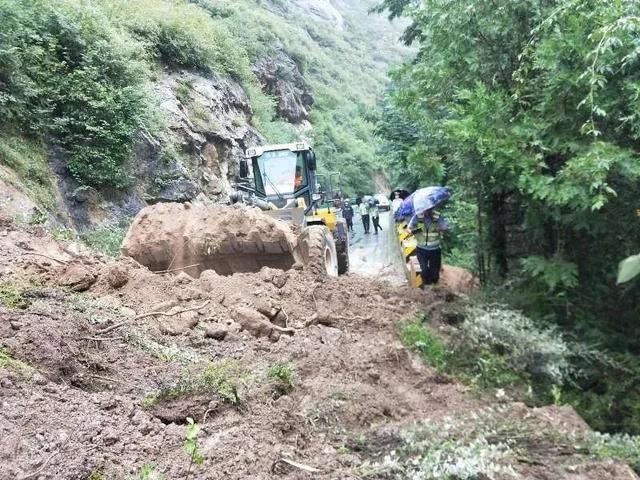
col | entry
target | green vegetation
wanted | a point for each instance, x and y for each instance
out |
(282, 375)
(487, 442)
(7, 361)
(12, 296)
(222, 379)
(191, 445)
(421, 340)
(28, 161)
(77, 75)
(529, 110)
(106, 239)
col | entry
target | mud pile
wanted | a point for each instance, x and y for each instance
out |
(102, 362)
(194, 238)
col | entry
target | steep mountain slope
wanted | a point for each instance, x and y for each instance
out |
(109, 106)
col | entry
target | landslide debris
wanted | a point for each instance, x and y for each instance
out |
(195, 238)
(286, 374)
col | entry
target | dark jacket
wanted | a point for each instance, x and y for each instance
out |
(347, 212)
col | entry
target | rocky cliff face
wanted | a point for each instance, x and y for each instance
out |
(208, 120)
(281, 77)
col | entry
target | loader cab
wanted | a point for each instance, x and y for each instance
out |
(282, 174)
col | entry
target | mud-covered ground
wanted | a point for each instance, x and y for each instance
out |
(102, 362)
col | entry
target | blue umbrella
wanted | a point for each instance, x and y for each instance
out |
(430, 197)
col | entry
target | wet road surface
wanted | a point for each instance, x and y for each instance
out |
(375, 256)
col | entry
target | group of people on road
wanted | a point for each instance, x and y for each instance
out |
(369, 213)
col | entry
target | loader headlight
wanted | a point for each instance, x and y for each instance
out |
(251, 152)
(316, 196)
(299, 146)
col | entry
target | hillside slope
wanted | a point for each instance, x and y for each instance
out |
(107, 107)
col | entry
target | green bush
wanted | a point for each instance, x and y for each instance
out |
(73, 76)
(282, 375)
(107, 239)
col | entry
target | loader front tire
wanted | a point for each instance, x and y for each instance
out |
(318, 251)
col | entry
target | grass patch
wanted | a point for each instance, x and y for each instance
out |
(27, 159)
(421, 340)
(282, 377)
(106, 240)
(7, 361)
(12, 296)
(222, 379)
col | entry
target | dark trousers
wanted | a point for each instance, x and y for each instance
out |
(366, 223)
(349, 224)
(376, 223)
(430, 262)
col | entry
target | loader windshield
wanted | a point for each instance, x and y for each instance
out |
(279, 172)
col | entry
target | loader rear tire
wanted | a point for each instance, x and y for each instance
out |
(318, 251)
(342, 249)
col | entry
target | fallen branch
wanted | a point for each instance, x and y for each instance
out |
(62, 262)
(160, 272)
(301, 466)
(171, 314)
(100, 339)
(109, 329)
(282, 329)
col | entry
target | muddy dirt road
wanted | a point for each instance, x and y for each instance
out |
(375, 256)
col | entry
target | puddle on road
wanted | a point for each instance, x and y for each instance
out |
(376, 256)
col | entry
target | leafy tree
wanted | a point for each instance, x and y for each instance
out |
(531, 110)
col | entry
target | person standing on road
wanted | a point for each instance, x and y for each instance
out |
(374, 211)
(430, 254)
(364, 214)
(347, 214)
(396, 202)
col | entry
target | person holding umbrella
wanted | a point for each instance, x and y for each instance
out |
(425, 202)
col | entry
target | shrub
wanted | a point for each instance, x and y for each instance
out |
(69, 73)
(541, 352)
(282, 375)
(12, 296)
(222, 379)
(107, 240)
(620, 446)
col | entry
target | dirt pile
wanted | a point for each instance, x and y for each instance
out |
(285, 373)
(226, 239)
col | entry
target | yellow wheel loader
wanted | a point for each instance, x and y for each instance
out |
(278, 179)
(282, 180)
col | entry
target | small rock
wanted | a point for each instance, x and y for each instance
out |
(280, 280)
(117, 276)
(280, 319)
(374, 375)
(182, 278)
(253, 321)
(298, 266)
(128, 312)
(16, 325)
(217, 332)
(77, 277)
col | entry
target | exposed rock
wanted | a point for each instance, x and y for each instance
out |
(253, 322)
(77, 277)
(117, 276)
(216, 332)
(281, 77)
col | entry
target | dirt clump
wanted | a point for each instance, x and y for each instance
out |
(225, 239)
